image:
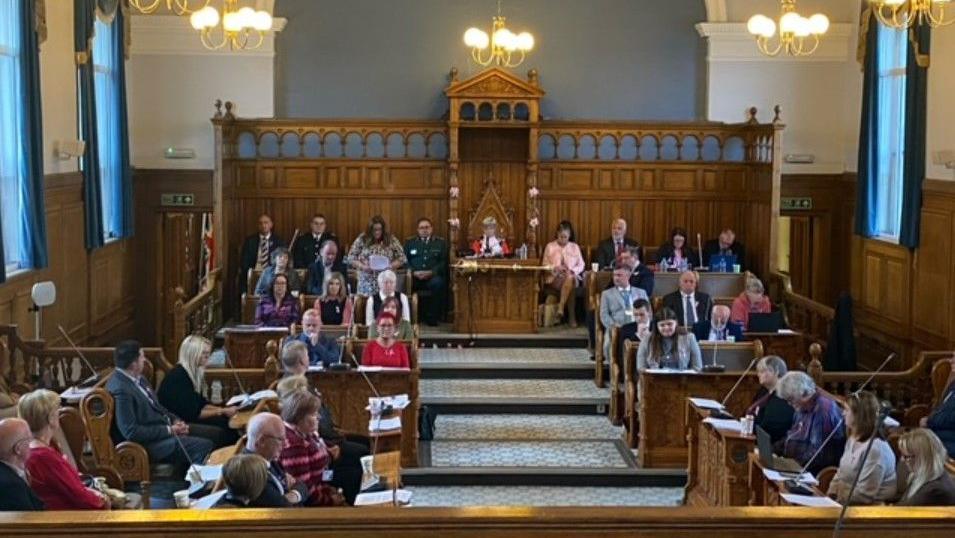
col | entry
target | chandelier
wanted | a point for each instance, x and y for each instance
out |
(179, 7)
(903, 14)
(798, 35)
(240, 29)
(504, 48)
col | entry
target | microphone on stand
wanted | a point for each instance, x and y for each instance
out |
(714, 368)
(93, 379)
(699, 249)
(726, 398)
(883, 413)
(193, 468)
(348, 331)
(242, 392)
(291, 245)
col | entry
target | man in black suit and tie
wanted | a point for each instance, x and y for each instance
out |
(725, 245)
(142, 419)
(15, 492)
(306, 250)
(326, 264)
(257, 250)
(617, 244)
(691, 306)
(266, 437)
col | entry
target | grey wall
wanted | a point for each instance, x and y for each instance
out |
(597, 59)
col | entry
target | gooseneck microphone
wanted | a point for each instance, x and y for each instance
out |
(699, 249)
(238, 382)
(883, 413)
(193, 468)
(726, 398)
(93, 379)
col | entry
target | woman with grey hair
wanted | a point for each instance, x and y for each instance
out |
(387, 287)
(771, 412)
(816, 417)
(280, 265)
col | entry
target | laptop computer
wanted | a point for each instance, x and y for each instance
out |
(767, 459)
(722, 262)
(766, 323)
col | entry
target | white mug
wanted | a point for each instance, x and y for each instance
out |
(595, 267)
(182, 498)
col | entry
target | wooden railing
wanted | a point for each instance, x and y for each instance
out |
(201, 314)
(811, 318)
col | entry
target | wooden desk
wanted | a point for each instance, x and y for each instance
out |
(346, 393)
(249, 348)
(765, 492)
(500, 293)
(718, 462)
(792, 347)
(662, 410)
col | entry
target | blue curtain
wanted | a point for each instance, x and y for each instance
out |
(84, 17)
(125, 227)
(916, 98)
(868, 167)
(31, 129)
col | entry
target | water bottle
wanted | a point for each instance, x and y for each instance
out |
(216, 392)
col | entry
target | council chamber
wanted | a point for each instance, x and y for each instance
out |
(477, 267)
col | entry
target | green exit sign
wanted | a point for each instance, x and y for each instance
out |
(796, 204)
(178, 199)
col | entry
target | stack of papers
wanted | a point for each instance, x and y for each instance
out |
(706, 403)
(776, 476)
(245, 399)
(384, 424)
(205, 473)
(810, 500)
(399, 401)
(724, 424)
(75, 394)
(669, 371)
(389, 497)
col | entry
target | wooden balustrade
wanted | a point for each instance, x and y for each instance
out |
(200, 315)
(810, 317)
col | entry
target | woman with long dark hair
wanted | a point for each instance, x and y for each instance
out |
(676, 252)
(668, 346)
(371, 246)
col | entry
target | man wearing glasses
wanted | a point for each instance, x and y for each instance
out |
(266, 437)
(14, 448)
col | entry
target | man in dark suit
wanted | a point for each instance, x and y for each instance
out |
(306, 250)
(15, 492)
(266, 437)
(719, 328)
(616, 244)
(726, 245)
(142, 419)
(700, 303)
(257, 250)
(326, 264)
(428, 262)
(640, 275)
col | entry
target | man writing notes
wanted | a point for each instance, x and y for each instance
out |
(428, 262)
(610, 249)
(719, 327)
(305, 252)
(257, 250)
(691, 306)
(616, 304)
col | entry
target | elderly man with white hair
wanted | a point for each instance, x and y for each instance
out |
(611, 248)
(387, 287)
(266, 437)
(15, 440)
(816, 417)
(719, 328)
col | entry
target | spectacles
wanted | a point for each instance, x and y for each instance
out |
(280, 439)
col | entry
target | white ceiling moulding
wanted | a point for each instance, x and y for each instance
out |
(715, 10)
(160, 35)
(731, 42)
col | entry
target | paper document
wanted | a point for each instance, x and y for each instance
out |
(75, 394)
(785, 331)
(385, 424)
(399, 401)
(669, 371)
(207, 473)
(316, 368)
(382, 369)
(403, 496)
(776, 476)
(724, 424)
(706, 403)
(209, 501)
(261, 395)
(810, 500)
(891, 422)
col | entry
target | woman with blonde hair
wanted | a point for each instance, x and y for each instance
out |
(928, 482)
(245, 477)
(181, 393)
(334, 306)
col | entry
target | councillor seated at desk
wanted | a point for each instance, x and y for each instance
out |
(640, 274)
(719, 328)
(280, 266)
(322, 350)
(816, 416)
(327, 264)
(926, 480)
(334, 306)
(181, 393)
(385, 350)
(752, 300)
(245, 477)
(942, 419)
(374, 241)
(403, 331)
(266, 437)
(15, 440)
(877, 482)
(769, 411)
(636, 331)
(278, 308)
(490, 245)
(563, 255)
(305, 455)
(667, 347)
(724, 245)
(54, 480)
(616, 304)
(387, 286)
(675, 253)
(610, 249)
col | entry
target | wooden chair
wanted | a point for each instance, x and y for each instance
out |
(129, 459)
(941, 371)
(616, 380)
(599, 380)
(825, 477)
(250, 303)
(222, 455)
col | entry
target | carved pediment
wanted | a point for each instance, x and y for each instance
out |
(491, 205)
(495, 82)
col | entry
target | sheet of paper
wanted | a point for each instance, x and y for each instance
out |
(74, 394)
(209, 501)
(706, 403)
(207, 473)
(403, 496)
(776, 476)
(810, 500)
(263, 394)
(891, 422)
(669, 371)
(785, 331)
(724, 424)
(237, 399)
(399, 401)
(382, 369)
(384, 424)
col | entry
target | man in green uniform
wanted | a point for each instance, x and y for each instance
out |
(428, 263)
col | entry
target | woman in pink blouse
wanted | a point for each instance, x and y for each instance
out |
(753, 300)
(564, 256)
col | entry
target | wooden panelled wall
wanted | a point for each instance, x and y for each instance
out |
(95, 299)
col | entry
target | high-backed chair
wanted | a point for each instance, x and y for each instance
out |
(250, 303)
(129, 459)
(941, 370)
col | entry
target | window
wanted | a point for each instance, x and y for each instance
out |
(13, 173)
(893, 51)
(108, 130)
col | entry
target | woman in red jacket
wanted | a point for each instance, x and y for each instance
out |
(385, 350)
(52, 477)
